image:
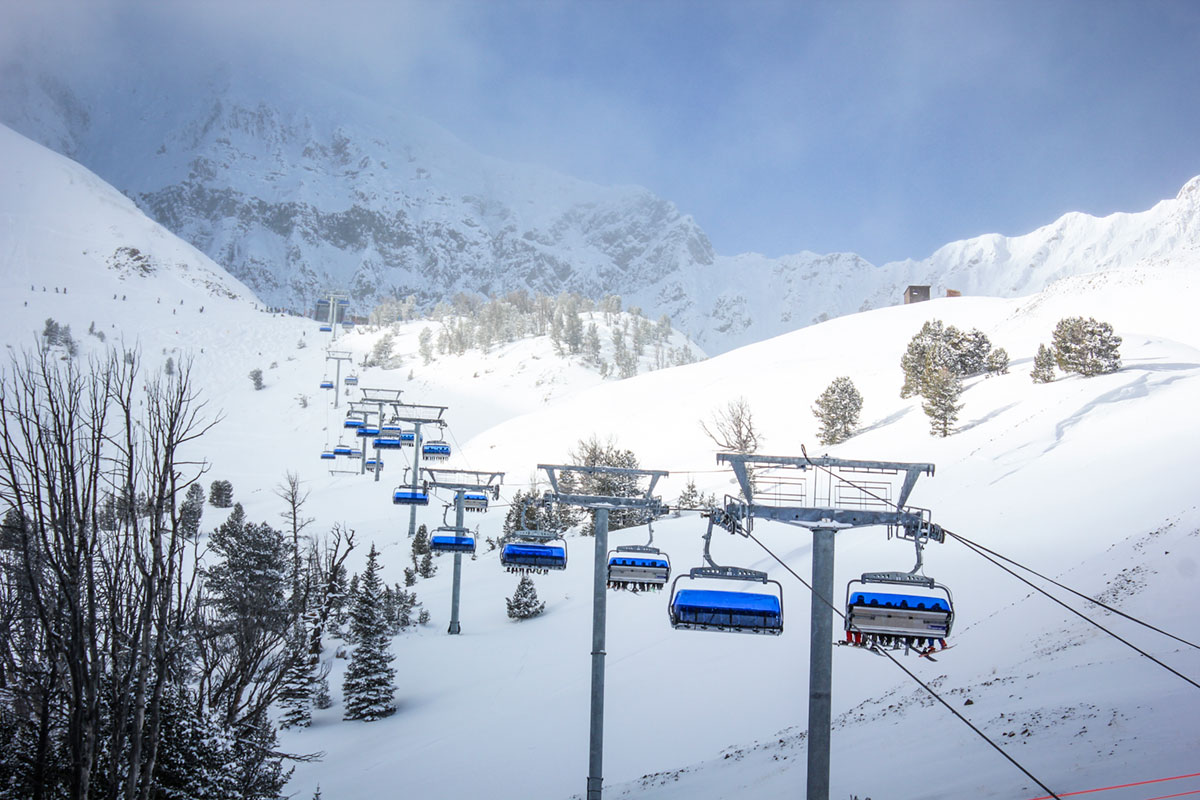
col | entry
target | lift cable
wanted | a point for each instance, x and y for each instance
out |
(1079, 613)
(920, 682)
(1103, 605)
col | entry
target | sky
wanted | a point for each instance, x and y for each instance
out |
(885, 129)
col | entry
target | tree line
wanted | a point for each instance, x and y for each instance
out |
(137, 661)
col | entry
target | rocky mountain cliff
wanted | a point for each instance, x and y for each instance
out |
(302, 187)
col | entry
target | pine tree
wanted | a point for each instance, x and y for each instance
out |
(420, 542)
(524, 603)
(296, 696)
(220, 494)
(942, 389)
(1043, 365)
(191, 510)
(997, 362)
(427, 568)
(256, 378)
(1086, 346)
(838, 409)
(425, 344)
(368, 687)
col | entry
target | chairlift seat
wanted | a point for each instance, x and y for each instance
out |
(351, 380)
(326, 384)
(442, 543)
(353, 423)
(435, 451)
(368, 430)
(372, 463)
(328, 455)
(326, 329)
(386, 443)
(342, 450)
(534, 556)
(644, 571)
(408, 497)
(904, 615)
(475, 502)
(714, 609)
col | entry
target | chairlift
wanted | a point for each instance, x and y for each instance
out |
(452, 540)
(327, 455)
(894, 620)
(700, 609)
(373, 464)
(407, 496)
(639, 567)
(386, 443)
(326, 383)
(534, 551)
(340, 449)
(356, 452)
(326, 328)
(351, 380)
(354, 423)
(408, 438)
(348, 325)
(475, 501)
(436, 450)
(367, 430)
(917, 617)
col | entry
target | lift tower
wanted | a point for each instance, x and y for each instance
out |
(601, 504)
(841, 506)
(461, 481)
(416, 415)
(337, 356)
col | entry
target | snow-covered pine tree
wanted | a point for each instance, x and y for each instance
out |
(1086, 346)
(220, 494)
(524, 603)
(1043, 365)
(191, 510)
(427, 569)
(997, 362)
(296, 696)
(368, 687)
(942, 389)
(838, 409)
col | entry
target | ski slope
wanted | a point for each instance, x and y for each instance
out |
(1089, 480)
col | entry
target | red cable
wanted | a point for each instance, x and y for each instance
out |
(1181, 794)
(1127, 785)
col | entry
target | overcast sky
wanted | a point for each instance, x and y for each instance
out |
(881, 128)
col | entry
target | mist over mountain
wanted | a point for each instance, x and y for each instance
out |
(299, 187)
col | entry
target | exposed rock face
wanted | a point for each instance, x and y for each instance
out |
(297, 189)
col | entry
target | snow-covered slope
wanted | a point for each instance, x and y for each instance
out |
(1091, 481)
(295, 186)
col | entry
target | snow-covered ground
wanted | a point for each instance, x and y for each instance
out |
(1090, 480)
